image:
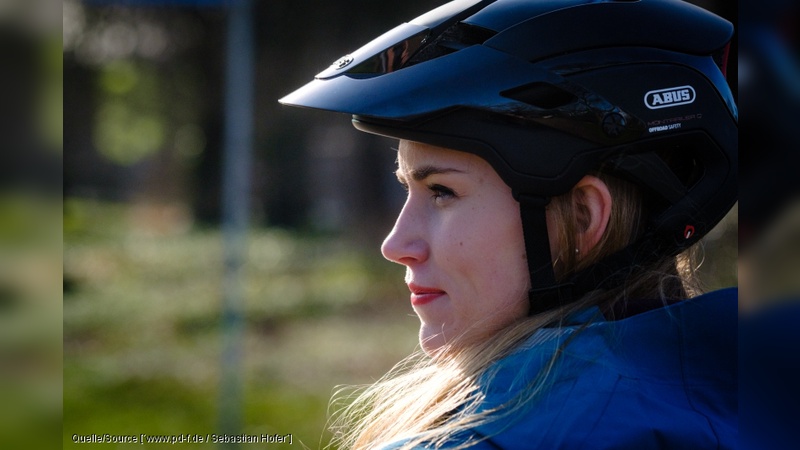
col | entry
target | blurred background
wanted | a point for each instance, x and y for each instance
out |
(769, 214)
(30, 224)
(202, 292)
(167, 329)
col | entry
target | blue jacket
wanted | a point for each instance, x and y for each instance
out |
(662, 379)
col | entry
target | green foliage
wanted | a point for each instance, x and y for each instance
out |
(30, 321)
(50, 97)
(143, 341)
(129, 122)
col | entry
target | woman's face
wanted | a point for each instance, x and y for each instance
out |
(460, 237)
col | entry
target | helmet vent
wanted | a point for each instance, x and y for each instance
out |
(541, 95)
(667, 170)
(457, 37)
(683, 164)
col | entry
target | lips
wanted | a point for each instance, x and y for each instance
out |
(421, 295)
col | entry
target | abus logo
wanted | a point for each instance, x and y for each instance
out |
(342, 62)
(664, 98)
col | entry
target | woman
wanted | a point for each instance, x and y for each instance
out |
(561, 157)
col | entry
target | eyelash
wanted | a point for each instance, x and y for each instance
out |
(438, 192)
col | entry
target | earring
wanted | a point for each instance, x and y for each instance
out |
(577, 251)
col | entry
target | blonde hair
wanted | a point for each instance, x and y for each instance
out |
(429, 399)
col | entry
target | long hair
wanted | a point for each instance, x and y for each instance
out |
(428, 399)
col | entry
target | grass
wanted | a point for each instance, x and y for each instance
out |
(30, 320)
(143, 336)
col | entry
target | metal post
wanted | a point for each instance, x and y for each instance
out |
(237, 155)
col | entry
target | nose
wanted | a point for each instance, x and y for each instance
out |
(406, 243)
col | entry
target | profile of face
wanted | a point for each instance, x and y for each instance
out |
(459, 235)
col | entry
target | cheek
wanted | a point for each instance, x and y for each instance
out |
(508, 279)
(491, 251)
(493, 284)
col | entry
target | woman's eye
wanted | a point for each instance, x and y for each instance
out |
(441, 192)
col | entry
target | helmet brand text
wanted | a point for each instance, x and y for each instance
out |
(672, 123)
(665, 98)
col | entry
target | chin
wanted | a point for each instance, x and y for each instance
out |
(432, 343)
(440, 342)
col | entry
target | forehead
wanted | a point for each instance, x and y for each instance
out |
(415, 154)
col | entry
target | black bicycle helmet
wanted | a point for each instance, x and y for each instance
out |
(549, 90)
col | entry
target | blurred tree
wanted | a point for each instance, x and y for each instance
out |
(30, 150)
(135, 100)
(144, 101)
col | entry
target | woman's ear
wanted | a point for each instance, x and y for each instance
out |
(593, 206)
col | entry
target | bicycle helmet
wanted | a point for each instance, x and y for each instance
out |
(549, 90)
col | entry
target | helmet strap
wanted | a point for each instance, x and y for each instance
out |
(545, 294)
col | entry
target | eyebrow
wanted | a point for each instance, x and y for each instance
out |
(420, 173)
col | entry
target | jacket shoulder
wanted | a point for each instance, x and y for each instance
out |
(667, 379)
